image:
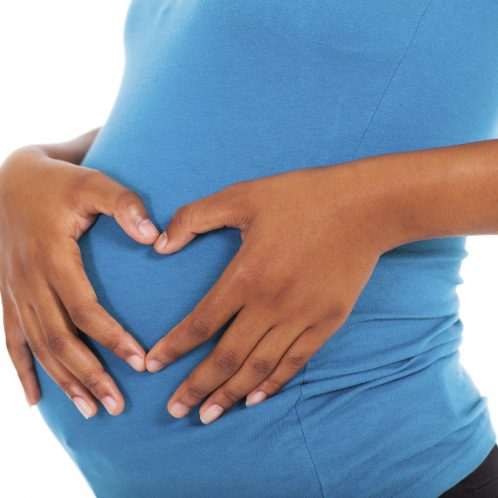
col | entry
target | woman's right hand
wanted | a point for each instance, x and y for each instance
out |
(46, 204)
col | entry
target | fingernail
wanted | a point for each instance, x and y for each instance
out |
(179, 410)
(211, 413)
(109, 403)
(154, 365)
(162, 241)
(137, 362)
(147, 228)
(82, 405)
(255, 397)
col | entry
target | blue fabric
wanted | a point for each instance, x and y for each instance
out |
(217, 92)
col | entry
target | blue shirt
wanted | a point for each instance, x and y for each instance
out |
(218, 92)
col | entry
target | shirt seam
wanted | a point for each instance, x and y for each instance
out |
(396, 69)
(303, 433)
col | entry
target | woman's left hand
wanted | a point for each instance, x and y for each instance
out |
(310, 241)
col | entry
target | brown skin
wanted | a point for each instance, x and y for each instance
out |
(294, 281)
(47, 202)
(311, 239)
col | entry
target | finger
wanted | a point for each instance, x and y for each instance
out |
(19, 352)
(105, 195)
(260, 363)
(65, 345)
(300, 352)
(79, 394)
(221, 209)
(69, 280)
(220, 303)
(221, 363)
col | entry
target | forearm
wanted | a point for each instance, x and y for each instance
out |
(430, 193)
(72, 151)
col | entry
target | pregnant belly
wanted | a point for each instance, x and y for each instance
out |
(195, 132)
(145, 449)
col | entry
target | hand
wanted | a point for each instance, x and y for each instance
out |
(45, 206)
(310, 241)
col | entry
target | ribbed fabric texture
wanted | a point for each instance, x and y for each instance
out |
(218, 92)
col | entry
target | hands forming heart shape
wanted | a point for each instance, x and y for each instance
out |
(310, 241)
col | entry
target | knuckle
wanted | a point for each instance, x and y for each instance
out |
(92, 380)
(56, 344)
(65, 385)
(113, 343)
(337, 313)
(241, 219)
(226, 360)
(80, 315)
(126, 199)
(37, 349)
(235, 198)
(238, 189)
(275, 384)
(249, 272)
(168, 353)
(261, 366)
(183, 215)
(229, 395)
(199, 328)
(296, 360)
(196, 392)
(241, 195)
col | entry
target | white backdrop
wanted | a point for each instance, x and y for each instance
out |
(60, 67)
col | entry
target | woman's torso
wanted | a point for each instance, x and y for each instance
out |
(218, 92)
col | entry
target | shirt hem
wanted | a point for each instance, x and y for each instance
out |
(447, 475)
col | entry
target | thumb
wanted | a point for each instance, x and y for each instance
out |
(106, 195)
(209, 213)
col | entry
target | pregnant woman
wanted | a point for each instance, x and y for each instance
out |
(269, 229)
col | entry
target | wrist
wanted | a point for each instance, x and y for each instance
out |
(362, 195)
(390, 199)
(446, 191)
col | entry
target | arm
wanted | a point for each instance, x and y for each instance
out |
(72, 151)
(47, 201)
(302, 230)
(439, 192)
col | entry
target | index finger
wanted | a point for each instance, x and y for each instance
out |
(70, 282)
(220, 303)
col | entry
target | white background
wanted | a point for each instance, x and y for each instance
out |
(60, 67)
